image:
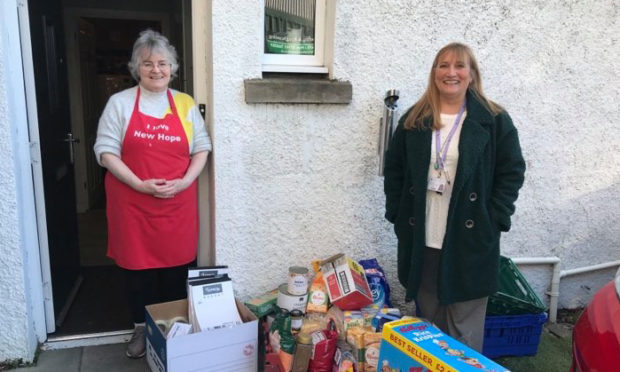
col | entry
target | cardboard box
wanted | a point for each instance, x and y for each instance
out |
(415, 345)
(264, 304)
(224, 349)
(346, 283)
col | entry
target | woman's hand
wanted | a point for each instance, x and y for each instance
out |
(166, 189)
(159, 188)
(114, 164)
(170, 188)
(152, 187)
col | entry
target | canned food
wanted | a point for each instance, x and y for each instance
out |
(297, 280)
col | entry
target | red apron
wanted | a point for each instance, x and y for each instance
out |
(146, 232)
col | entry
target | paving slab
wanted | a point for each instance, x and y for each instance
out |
(101, 358)
(560, 330)
(107, 358)
(66, 360)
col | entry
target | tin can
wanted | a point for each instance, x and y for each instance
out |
(297, 280)
(291, 302)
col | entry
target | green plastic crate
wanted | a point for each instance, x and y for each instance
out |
(515, 296)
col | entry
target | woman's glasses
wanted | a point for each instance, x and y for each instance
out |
(150, 66)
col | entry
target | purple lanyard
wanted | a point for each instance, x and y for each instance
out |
(441, 158)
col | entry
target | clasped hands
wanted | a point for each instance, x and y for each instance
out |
(161, 188)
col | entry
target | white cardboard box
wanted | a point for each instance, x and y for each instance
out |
(225, 349)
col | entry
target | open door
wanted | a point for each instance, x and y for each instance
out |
(69, 181)
(57, 151)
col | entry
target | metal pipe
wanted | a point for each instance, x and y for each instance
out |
(554, 293)
(557, 275)
(387, 125)
(585, 269)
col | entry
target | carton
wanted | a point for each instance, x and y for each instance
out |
(264, 304)
(415, 345)
(224, 349)
(346, 283)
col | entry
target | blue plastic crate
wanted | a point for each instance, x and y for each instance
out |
(512, 335)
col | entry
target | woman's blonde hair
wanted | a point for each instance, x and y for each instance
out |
(429, 106)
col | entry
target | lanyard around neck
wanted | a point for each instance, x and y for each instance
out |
(441, 155)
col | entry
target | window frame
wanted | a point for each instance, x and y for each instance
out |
(271, 62)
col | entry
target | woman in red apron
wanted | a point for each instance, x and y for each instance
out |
(150, 185)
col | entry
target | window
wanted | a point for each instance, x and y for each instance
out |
(294, 36)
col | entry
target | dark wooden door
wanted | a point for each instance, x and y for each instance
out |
(56, 140)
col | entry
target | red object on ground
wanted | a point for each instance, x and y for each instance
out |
(346, 282)
(273, 363)
(596, 336)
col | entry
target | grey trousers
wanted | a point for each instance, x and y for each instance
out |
(463, 321)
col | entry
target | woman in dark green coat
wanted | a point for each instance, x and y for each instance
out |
(453, 171)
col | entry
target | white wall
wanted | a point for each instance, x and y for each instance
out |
(17, 339)
(298, 182)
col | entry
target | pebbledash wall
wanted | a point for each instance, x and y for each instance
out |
(11, 265)
(297, 182)
(18, 246)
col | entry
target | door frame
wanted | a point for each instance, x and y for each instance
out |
(71, 21)
(37, 270)
(202, 60)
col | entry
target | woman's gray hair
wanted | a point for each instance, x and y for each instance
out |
(152, 41)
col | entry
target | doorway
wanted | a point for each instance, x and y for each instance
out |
(80, 57)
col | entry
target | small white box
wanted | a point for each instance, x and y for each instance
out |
(226, 349)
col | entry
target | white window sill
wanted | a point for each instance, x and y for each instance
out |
(296, 69)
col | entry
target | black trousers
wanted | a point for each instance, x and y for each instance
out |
(151, 286)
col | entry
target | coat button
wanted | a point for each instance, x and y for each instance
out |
(411, 191)
(473, 196)
(412, 221)
(469, 224)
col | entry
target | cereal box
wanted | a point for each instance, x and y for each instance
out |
(414, 345)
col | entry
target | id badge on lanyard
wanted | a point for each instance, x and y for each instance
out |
(441, 182)
(438, 184)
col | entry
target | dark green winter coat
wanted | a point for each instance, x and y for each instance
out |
(489, 175)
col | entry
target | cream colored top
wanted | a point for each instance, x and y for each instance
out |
(437, 204)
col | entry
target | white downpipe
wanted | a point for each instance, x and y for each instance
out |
(554, 294)
(580, 270)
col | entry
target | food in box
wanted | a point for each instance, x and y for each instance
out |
(222, 349)
(346, 283)
(264, 304)
(414, 343)
(365, 342)
(352, 319)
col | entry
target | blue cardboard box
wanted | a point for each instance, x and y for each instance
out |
(415, 345)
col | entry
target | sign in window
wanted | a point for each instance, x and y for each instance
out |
(290, 27)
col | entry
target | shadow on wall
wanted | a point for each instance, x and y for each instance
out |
(589, 237)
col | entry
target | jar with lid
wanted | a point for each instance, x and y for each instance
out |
(296, 320)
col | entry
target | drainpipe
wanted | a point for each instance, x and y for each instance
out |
(557, 275)
(555, 280)
(606, 265)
